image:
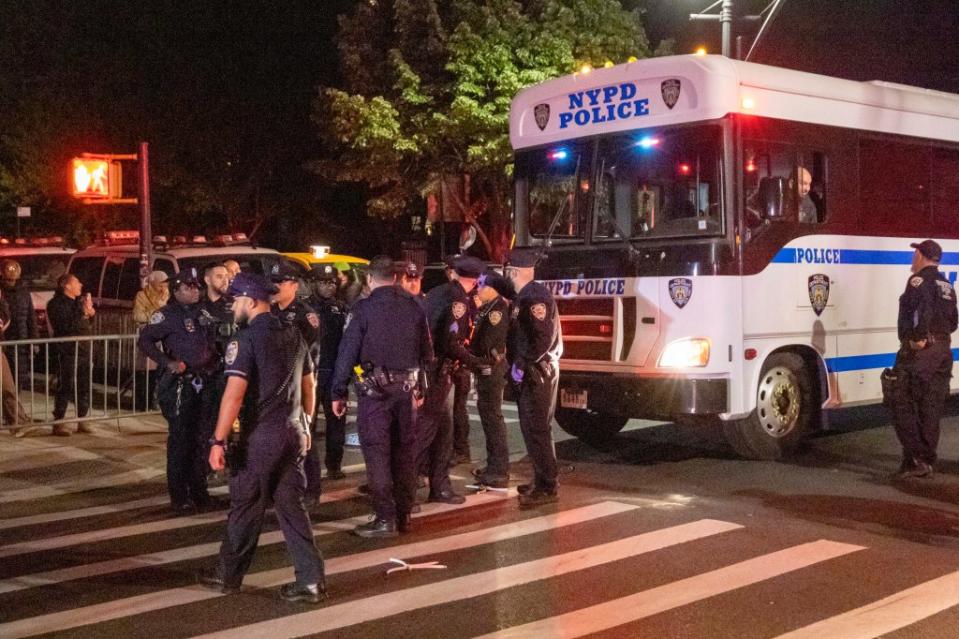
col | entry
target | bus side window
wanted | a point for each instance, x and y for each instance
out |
(945, 190)
(811, 187)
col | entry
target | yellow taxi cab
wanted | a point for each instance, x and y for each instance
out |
(351, 268)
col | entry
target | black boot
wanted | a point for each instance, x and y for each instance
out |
(404, 523)
(446, 497)
(212, 578)
(376, 528)
(307, 593)
(537, 498)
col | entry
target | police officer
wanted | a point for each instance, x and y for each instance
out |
(448, 310)
(534, 346)
(411, 281)
(23, 317)
(188, 361)
(287, 305)
(332, 312)
(462, 377)
(269, 388)
(216, 316)
(387, 336)
(927, 317)
(486, 357)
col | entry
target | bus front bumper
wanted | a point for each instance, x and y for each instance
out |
(644, 397)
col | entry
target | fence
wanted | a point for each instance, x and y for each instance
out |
(88, 378)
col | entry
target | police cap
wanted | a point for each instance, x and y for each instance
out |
(409, 269)
(929, 249)
(469, 266)
(253, 286)
(523, 258)
(186, 276)
(497, 282)
(326, 272)
(283, 271)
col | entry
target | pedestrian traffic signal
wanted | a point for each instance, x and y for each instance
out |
(94, 178)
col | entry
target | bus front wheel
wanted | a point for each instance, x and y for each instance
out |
(784, 408)
(590, 426)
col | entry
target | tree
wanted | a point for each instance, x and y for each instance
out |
(424, 106)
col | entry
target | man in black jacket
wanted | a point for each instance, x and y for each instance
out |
(23, 317)
(70, 314)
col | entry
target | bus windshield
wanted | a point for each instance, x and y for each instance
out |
(647, 184)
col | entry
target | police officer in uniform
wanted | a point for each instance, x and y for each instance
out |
(486, 357)
(216, 316)
(411, 281)
(269, 388)
(188, 360)
(287, 305)
(332, 312)
(449, 313)
(927, 317)
(534, 346)
(388, 337)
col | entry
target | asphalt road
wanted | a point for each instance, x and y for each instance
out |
(661, 533)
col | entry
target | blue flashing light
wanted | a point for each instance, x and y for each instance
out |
(558, 154)
(648, 142)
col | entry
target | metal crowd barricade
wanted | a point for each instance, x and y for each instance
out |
(119, 381)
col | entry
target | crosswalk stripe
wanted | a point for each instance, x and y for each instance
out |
(623, 610)
(160, 525)
(887, 615)
(139, 604)
(474, 585)
(78, 486)
(44, 457)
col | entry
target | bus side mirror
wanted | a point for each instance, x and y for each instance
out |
(772, 195)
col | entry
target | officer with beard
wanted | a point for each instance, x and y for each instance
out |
(216, 315)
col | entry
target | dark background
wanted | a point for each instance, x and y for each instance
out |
(212, 81)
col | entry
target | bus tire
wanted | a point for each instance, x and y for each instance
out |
(590, 426)
(785, 407)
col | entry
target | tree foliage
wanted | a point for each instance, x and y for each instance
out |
(427, 88)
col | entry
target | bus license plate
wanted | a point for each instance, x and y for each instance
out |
(572, 399)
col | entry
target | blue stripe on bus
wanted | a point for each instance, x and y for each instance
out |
(866, 362)
(856, 256)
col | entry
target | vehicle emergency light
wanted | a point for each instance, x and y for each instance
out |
(320, 252)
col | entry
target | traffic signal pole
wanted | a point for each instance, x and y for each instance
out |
(146, 232)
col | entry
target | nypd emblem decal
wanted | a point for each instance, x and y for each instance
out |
(670, 89)
(541, 115)
(680, 290)
(818, 292)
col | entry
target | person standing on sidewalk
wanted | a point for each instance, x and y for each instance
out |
(70, 313)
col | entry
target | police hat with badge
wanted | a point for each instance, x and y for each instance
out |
(187, 276)
(326, 273)
(468, 266)
(523, 258)
(409, 269)
(283, 272)
(498, 283)
(929, 249)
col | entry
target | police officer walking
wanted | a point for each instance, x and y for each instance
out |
(534, 346)
(388, 338)
(332, 312)
(269, 389)
(449, 313)
(927, 317)
(188, 360)
(486, 357)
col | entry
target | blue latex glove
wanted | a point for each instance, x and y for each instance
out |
(516, 374)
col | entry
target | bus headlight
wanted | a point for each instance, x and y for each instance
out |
(685, 353)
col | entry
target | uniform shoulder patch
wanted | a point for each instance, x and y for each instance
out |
(156, 318)
(495, 317)
(231, 351)
(313, 320)
(459, 310)
(538, 311)
(916, 281)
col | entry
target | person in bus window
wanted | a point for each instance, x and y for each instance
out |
(808, 213)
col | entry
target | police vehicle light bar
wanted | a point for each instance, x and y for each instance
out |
(648, 142)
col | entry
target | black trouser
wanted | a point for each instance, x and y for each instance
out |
(434, 433)
(335, 426)
(489, 404)
(462, 382)
(272, 473)
(922, 400)
(182, 407)
(388, 438)
(73, 373)
(536, 400)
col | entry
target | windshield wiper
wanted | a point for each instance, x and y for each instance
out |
(633, 252)
(548, 241)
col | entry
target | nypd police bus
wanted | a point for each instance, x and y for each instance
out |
(727, 241)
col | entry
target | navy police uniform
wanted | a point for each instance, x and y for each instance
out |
(388, 336)
(297, 313)
(216, 316)
(534, 346)
(271, 356)
(332, 312)
(450, 318)
(927, 317)
(462, 384)
(486, 357)
(181, 395)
